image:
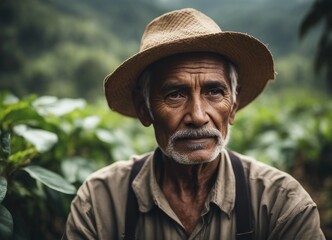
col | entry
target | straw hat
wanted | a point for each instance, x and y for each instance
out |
(188, 30)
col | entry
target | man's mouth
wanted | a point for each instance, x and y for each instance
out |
(197, 143)
(196, 134)
(196, 139)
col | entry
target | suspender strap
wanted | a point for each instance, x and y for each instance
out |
(242, 202)
(244, 229)
(132, 211)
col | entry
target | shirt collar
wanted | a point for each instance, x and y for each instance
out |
(149, 194)
(223, 191)
(145, 185)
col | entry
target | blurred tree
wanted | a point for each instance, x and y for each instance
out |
(28, 29)
(321, 13)
(66, 47)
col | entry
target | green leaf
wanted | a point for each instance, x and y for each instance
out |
(47, 105)
(105, 136)
(23, 157)
(9, 99)
(4, 144)
(6, 223)
(19, 113)
(88, 123)
(3, 188)
(41, 139)
(50, 179)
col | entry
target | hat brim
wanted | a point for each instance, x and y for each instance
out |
(252, 59)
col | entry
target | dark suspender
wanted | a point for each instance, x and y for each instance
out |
(132, 211)
(242, 202)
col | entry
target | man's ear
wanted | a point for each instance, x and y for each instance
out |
(233, 111)
(142, 111)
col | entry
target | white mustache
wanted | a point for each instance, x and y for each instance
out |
(196, 133)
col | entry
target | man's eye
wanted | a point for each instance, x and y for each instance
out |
(216, 92)
(174, 95)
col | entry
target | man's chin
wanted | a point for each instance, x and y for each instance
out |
(194, 157)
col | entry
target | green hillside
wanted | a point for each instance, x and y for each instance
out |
(65, 48)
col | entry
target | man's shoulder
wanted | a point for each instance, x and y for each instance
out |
(272, 183)
(121, 167)
(257, 170)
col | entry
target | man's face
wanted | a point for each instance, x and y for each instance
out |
(192, 106)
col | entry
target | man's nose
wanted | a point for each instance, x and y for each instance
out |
(196, 115)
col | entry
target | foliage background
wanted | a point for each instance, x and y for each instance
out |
(64, 49)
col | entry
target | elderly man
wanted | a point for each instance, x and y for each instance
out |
(188, 81)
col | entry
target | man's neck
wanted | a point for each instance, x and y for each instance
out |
(186, 188)
(188, 180)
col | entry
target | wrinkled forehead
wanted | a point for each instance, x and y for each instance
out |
(190, 62)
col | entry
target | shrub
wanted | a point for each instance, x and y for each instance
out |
(48, 147)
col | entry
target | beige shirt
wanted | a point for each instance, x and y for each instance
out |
(282, 209)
